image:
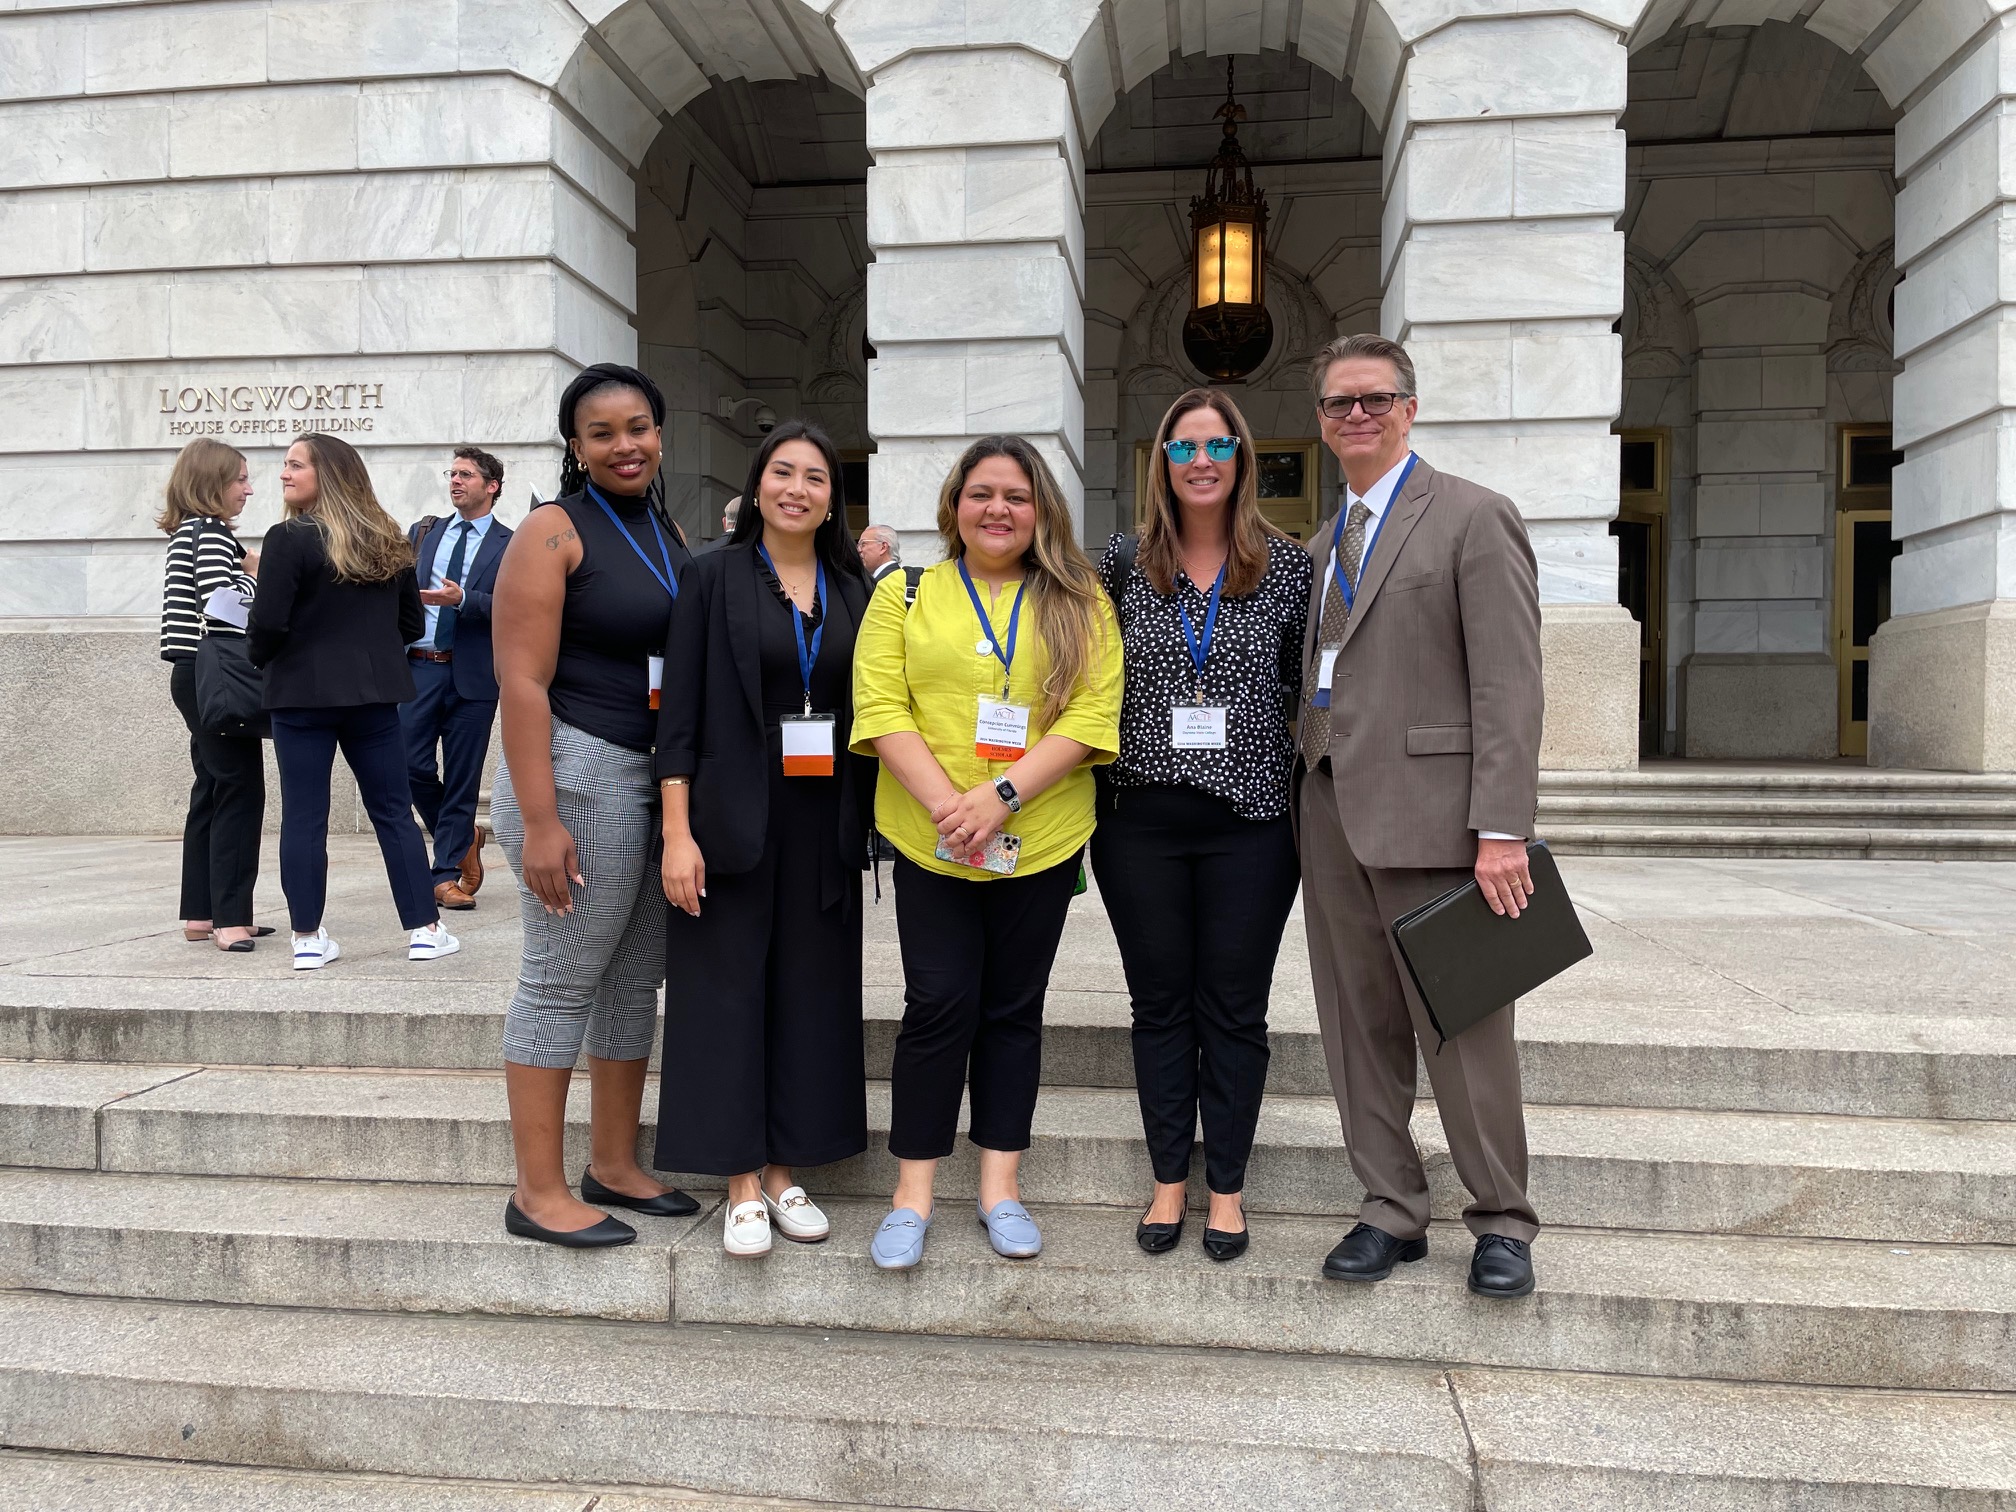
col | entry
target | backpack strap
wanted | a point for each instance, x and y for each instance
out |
(1122, 568)
(912, 576)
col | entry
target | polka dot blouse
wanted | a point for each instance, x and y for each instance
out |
(1255, 672)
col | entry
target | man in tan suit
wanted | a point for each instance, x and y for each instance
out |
(1419, 768)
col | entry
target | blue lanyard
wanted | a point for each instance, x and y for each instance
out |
(1007, 657)
(1200, 650)
(1344, 587)
(807, 655)
(665, 579)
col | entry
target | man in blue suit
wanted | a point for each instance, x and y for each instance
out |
(453, 673)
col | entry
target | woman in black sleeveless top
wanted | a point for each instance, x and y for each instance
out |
(583, 605)
(766, 811)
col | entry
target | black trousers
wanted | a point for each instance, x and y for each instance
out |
(1198, 898)
(305, 742)
(227, 810)
(976, 965)
(445, 794)
(763, 1057)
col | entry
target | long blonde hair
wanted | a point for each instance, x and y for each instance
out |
(1247, 529)
(1063, 587)
(365, 544)
(203, 470)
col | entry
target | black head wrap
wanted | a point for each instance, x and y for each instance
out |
(593, 380)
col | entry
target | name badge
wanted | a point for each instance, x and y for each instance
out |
(657, 671)
(1001, 733)
(808, 745)
(1196, 727)
(1326, 670)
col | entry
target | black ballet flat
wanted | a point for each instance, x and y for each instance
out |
(604, 1235)
(260, 931)
(1220, 1245)
(238, 947)
(671, 1203)
(1158, 1238)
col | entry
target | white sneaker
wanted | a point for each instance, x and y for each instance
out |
(746, 1234)
(312, 952)
(796, 1216)
(431, 942)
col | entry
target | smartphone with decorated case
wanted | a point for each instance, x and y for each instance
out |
(999, 855)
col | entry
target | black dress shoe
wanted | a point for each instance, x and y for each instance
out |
(1501, 1267)
(1369, 1254)
(1158, 1238)
(1220, 1245)
(603, 1235)
(671, 1203)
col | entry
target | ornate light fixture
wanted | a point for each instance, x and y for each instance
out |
(1228, 332)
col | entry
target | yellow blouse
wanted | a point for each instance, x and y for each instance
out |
(918, 670)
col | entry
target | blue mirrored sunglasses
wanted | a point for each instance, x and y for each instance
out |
(1218, 449)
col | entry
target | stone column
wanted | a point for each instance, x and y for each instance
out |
(1942, 672)
(975, 297)
(1504, 274)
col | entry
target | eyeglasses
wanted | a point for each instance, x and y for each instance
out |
(1218, 449)
(1338, 406)
(456, 475)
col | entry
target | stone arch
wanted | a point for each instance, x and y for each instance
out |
(1860, 338)
(1658, 323)
(1123, 42)
(643, 61)
(1902, 46)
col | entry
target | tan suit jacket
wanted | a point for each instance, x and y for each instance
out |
(1436, 699)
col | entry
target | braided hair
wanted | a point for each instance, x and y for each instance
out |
(600, 378)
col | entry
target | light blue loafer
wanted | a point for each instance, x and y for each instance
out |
(1011, 1231)
(899, 1242)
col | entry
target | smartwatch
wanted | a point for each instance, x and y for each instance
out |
(1006, 790)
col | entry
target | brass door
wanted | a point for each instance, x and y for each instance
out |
(1640, 532)
(1863, 552)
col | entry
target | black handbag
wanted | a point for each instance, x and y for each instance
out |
(229, 689)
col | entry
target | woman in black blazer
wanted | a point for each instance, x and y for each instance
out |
(336, 609)
(765, 825)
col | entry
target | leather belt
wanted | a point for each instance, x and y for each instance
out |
(430, 656)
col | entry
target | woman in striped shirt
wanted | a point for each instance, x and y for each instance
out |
(227, 804)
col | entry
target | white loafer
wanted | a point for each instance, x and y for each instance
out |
(796, 1216)
(430, 942)
(313, 952)
(746, 1233)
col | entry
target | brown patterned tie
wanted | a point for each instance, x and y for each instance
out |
(1330, 630)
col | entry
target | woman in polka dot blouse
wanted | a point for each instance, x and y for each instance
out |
(1193, 853)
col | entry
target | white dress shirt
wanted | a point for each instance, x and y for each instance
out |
(438, 578)
(1378, 499)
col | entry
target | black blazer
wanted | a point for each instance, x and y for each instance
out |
(327, 644)
(474, 667)
(710, 716)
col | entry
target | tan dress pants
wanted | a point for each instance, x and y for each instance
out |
(1371, 1018)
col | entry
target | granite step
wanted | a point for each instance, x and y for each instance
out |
(1792, 1174)
(1601, 1045)
(1802, 841)
(99, 1483)
(1822, 1312)
(982, 1425)
(1752, 809)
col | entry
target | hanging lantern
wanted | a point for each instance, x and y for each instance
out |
(1228, 332)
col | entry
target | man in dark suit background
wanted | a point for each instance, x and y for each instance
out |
(881, 553)
(455, 701)
(1419, 769)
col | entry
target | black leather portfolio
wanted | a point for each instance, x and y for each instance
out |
(1468, 962)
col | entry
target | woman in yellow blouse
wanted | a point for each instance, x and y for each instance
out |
(989, 701)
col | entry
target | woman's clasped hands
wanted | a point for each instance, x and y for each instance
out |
(967, 821)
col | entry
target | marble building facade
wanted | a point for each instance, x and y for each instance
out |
(1672, 272)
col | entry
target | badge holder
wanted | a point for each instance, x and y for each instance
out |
(1198, 726)
(656, 665)
(808, 744)
(1001, 730)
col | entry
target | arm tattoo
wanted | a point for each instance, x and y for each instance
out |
(553, 541)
